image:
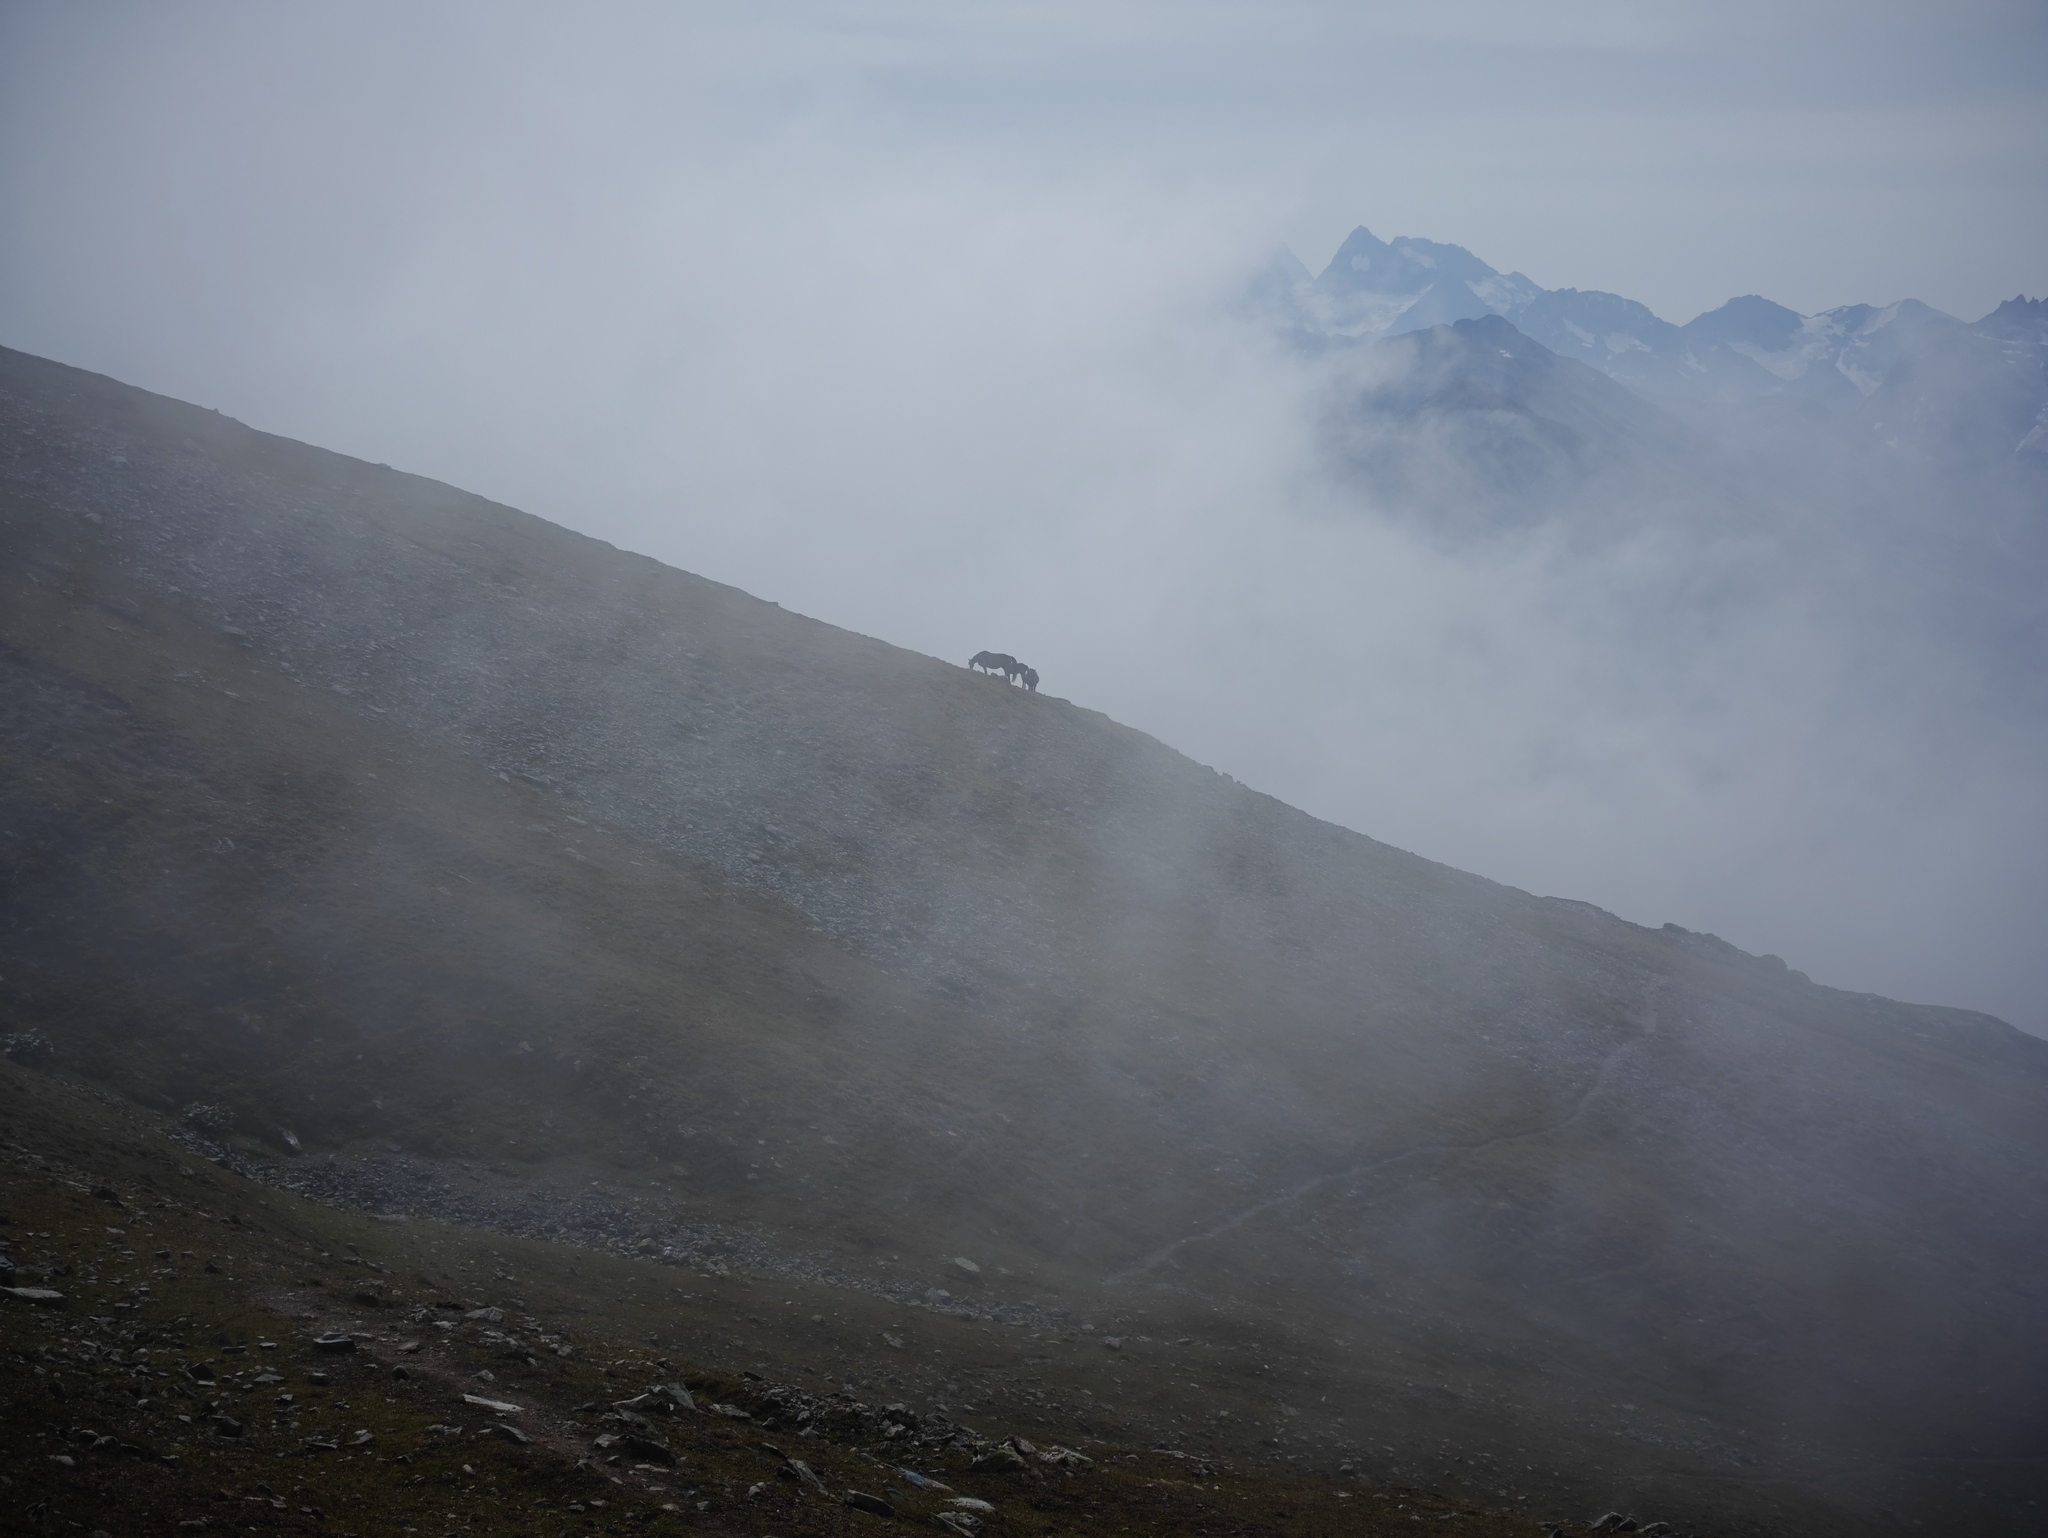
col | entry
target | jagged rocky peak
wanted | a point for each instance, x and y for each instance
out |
(1382, 288)
(2018, 316)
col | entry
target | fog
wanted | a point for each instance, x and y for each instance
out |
(917, 320)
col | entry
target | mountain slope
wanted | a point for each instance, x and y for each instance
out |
(1476, 427)
(1972, 397)
(427, 832)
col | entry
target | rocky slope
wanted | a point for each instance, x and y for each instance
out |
(380, 823)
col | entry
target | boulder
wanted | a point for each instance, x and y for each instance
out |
(800, 1472)
(1000, 1458)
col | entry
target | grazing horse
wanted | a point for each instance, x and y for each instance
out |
(993, 662)
(1031, 679)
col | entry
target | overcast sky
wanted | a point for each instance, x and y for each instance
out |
(902, 315)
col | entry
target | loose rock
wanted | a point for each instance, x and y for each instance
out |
(647, 1448)
(49, 1297)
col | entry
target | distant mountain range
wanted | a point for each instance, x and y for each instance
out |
(1924, 381)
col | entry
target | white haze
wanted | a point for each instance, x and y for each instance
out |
(704, 289)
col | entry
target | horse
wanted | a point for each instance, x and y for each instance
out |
(1031, 679)
(995, 662)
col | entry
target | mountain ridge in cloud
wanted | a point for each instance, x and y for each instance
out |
(1746, 349)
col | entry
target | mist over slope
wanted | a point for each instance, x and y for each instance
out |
(426, 831)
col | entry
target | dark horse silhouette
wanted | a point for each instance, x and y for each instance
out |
(1005, 664)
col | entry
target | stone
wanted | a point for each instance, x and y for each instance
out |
(334, 1342)
(498, 1405)
(509, 1433)
(226, 1425)
(647, 1448)
(872, 1504)
(676, 1395)
(1002, 1458)
(958, 1522)
(969, 1503)
(48, 1297)
(965, 1266)
(487, 1315)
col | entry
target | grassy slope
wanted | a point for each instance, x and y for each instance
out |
(842, 962)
